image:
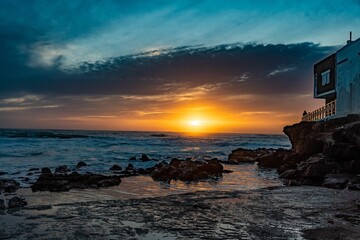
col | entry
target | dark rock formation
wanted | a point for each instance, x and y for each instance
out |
(34, 169)
(274, 159)
(81, 164)
(16, 202)
(9, 185)
(132, 158)
(62, 169)
(46, 170)
(242, 155)
(337, 181)
(64, 182)
(130, 167)
(2, 204)
(187, 171)
(144, 158)
(328, 153)
(116, 168)
(2, 173)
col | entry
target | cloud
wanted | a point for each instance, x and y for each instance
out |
(227, 69)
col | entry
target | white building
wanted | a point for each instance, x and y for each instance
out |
(337, 80)
(348, 79)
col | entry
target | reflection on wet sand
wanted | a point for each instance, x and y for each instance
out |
(243, 177)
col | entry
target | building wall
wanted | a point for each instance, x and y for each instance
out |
(328, 63)
(348, 79)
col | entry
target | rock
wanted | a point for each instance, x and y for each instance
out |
(2, 173)
(144, 158)
(304, 139)
(175, 162)
(81, 164)
(62, 169)
(317, 171)
(275, 159)
(132, 158)
(187, 171)
(342, 152)
(354, 184)
(242, 155)
(33, 169)
(45, 170)
(294, 183)
(146, 171)
(288, 174)
(16, 202)
(336, 181)
(116, 168)
(2, 204)
(9, 185)
(130, 167)
(59, 183)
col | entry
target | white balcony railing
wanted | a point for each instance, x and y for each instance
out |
(324, 112)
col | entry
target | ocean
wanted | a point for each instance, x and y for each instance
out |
(21, 150)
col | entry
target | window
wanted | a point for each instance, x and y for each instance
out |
(325, 78)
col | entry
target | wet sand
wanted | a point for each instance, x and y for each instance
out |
(268, 213)
(243, 177)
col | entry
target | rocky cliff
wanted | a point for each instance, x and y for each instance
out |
(325, 153)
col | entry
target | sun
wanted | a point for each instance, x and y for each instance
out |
(196, 123)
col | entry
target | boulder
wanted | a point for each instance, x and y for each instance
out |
(33, 169)
(116, 168)
(288, 174)
(3, 173)
(175, 162)
(187, 171)
(130, 167)
(275, 159)
(9, 185)
(81, 164)
(242, 155)
(132, 158)
(59, 183)
(62, 169)
(337, 181)
(355, 184)
(317, 171)
(46, 170)
(144, 158)
(16, 202)
(291, 162)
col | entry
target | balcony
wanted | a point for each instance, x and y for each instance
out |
(322, 113)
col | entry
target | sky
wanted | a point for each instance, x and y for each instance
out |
(196, 66)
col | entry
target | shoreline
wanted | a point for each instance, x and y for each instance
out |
(304, 212)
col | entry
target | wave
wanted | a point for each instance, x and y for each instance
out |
(40, 134)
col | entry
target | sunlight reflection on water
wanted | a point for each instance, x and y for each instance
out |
(244, 177)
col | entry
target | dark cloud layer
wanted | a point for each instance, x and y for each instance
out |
(237, 68)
